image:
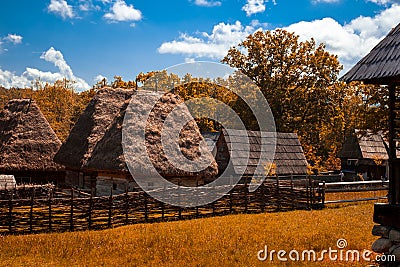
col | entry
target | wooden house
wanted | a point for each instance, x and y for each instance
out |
(28, 144)
(108, 159)
(7, 182)
(289, 156)
(364, 153)
(88, 130)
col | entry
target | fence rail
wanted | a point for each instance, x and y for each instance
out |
(353, 187)
(35, 215)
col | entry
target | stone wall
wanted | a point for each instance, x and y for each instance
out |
(388, 244)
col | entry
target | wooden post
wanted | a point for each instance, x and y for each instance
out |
(246, 190)
(10, 210)
(71, 218)
(50, 219)
(146, 218)
(323, 194)
(278, 196)
(394, 182)
(110, 207)
(31, 211)
(126, 206)
(90, 222)
(292, 191)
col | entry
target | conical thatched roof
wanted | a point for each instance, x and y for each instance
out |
(381, 65)
(108, 153)
(91, 127)
(27, 142)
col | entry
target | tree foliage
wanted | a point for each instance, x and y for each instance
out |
(300, 81)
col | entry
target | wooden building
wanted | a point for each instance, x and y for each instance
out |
(382, 67)
(364, 153)
(28, 144)
(108, 158)
(88, 130)
(7, 182)
(93, 152)
(289, 156)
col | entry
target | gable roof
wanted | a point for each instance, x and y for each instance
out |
(108, 155)
(289, 155)
(27, 141)
(91, 126)
(382, 64)
(364, 145)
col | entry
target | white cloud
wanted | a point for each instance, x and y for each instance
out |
(350, 41)
(214, 45)
(120, 11)
(254, 7)
(14, 38)
(10, 79)
(62, 8)
(207, 3)
(99, 78)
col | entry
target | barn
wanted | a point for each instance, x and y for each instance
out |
(364, 153)
(289, 156)
(88, 130)
(108, 159)
(28, 144)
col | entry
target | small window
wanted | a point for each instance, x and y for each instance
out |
(114, 186)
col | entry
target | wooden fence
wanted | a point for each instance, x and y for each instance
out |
(57, 214)
(343, 188)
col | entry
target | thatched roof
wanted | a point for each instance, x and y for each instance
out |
(91, 127)
(382, 64)
(108, 154)
(289, 155)
(27, 142)
(364, 145)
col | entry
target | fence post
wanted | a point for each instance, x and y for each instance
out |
(246, 195)
(90, 209)
(10, 210)
(31, 211)
(71, 218)
(110, 206)
(323, 194)
(50, 202)
(278, 197)
(126, 206)
(145, 207)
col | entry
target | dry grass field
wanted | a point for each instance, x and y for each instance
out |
(222, 241)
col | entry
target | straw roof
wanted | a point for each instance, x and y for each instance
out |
(108, 154)
(382, 64)
(27, 142)
(364, 146)
(91, 127)
(289, 155)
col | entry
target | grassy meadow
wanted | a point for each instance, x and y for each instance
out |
(222, 241)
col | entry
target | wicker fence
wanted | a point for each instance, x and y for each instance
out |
(73, 213)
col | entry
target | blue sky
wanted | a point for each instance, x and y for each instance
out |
(85, 40)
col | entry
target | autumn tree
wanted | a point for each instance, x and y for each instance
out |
(299, 80)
